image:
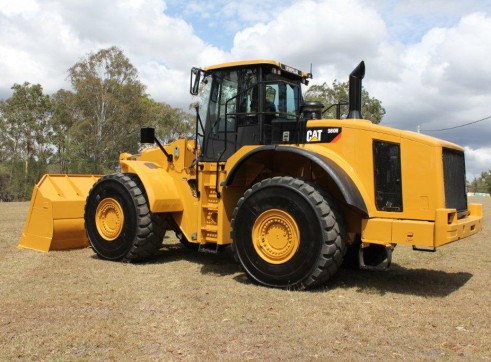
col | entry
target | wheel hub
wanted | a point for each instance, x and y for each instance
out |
(109, 219)
(276, 236)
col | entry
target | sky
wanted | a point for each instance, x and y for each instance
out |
(428, 61)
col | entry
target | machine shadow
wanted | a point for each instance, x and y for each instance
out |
(221, 264)
(400, 280)
(397, 280)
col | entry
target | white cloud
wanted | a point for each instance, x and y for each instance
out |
(18, 8)
(39, 43)
(322, 32)
(477, 161)
(444, 82)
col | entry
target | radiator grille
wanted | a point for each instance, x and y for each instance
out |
(454, 180)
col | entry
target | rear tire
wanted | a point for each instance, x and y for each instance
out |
(118, 220)
(287, 235)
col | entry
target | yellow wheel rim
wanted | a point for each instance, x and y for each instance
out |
(276, 237)
(109, 219)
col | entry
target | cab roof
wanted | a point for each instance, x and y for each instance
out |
(275, 63)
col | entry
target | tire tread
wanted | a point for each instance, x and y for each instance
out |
(150, 228)
(333, 228)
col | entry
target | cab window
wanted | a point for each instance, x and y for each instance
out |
(282, 96)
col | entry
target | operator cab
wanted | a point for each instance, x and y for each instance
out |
(247, 103)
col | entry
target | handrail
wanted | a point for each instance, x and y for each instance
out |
(200, 123)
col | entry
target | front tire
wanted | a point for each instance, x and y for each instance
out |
(118, 220)
(286, 234)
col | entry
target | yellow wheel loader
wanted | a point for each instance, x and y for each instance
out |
(293, 193)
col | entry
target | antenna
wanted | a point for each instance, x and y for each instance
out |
(310, 73)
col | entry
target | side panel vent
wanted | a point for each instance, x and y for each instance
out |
(387, 172)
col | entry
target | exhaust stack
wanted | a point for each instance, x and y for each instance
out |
(355, 79)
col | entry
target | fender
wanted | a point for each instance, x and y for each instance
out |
(343, 181)
(161, 190)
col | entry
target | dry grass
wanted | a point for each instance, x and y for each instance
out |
(187, 306)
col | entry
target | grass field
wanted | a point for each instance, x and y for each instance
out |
(187, 306)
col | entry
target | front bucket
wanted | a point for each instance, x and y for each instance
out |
(56, 214)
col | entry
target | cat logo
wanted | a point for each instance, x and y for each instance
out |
(314, 135)
(323, 135)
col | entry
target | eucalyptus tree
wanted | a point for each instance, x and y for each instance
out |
(108, 99)
(330, 95)
(25, 135)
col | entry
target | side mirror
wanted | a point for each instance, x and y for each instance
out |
(147, 135)
(194, 81)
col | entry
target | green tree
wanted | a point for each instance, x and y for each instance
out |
(5, 183)
(170, 123)
(481, 183)
(83, 130)
(25, 136)
(108, 99)
(371, 108)
(65, 116)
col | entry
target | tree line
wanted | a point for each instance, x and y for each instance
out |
(84, 130)
(81, 130)
(481, 183)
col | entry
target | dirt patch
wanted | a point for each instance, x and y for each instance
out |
(188, 306)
